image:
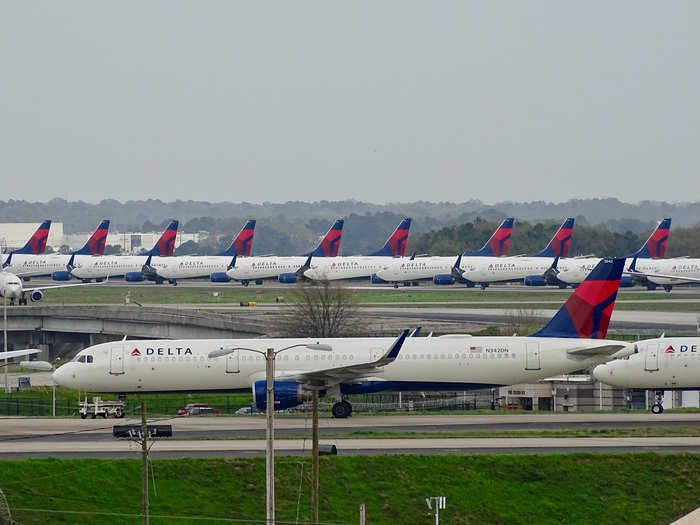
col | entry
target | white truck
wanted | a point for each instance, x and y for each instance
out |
(98, 407)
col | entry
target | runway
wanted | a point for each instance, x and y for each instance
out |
(215, 436)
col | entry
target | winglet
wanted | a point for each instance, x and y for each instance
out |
(416, 331)
(71, 263)
(394, 349)
(8, 261)
(232, 264)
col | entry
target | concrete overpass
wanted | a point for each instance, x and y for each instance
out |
(63, 329)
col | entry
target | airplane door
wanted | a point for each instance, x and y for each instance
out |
(532, 356)
(116, 360)
(232, 363)
(651, 361)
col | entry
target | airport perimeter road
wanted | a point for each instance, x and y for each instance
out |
(256, 447)
(48, 429)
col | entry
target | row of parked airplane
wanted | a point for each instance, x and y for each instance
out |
(387, 265)
(574, 339)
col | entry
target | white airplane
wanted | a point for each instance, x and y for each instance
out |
(11, 288)
(444, 270)
(284, 269)
(485, 270)
(666, 272)
(130, 266)
(362, 266)
(572, 340)
(573, 271)
(29, 263)
(666, 363)
(171, 269)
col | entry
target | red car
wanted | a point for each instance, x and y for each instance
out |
(197, 409)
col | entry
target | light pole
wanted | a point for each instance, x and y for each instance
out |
(270, 354)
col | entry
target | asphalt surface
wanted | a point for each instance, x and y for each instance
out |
(192, 437)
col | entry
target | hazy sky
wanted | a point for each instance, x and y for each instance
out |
(378, 101)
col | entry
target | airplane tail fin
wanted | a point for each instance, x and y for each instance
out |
(395, 245)
(497, 245)
(37, 243)
(95, 245)
(586, 314)
(166, 244)
(328, 247)
(243, 242)
(655, 247)
(559, 245)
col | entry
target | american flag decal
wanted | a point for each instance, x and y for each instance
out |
(475, 349)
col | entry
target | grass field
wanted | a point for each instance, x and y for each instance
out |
(234, 294)
(482, 489)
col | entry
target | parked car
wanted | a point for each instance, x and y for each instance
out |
(197, 409)
(246, 411)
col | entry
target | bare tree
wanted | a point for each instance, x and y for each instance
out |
(523, 321)
(321, 309)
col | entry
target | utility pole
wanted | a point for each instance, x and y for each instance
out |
(4, 314)
(270, 455)
(314, 458)
(363, 514)
(144, 463)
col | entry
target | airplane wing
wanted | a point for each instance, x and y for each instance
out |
(51, 286)
(612, 351)
(664, 276)
(18, 353)
(332, 376)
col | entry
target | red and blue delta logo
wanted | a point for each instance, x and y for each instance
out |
(135, 352)
(670, 349)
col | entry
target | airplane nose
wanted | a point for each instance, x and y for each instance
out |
(59, 376)
(603, 372)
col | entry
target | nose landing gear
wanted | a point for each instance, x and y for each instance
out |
(658, 407)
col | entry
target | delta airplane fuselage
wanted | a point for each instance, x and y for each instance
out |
(30, 265)
(663, 363)
(496, 269)
(575, 270)
(258, 268)
(87, 267)
(190, 267)
(447, 363)
(420, 268)
(674, 270)
(353, 267)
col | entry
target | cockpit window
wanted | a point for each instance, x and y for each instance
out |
(89, 359)
(81, 359)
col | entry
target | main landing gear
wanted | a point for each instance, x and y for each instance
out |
(342, 410)
(658, 407)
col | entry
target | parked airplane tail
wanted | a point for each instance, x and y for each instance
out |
(497, 245)
(328, 247)
(166, 244)
(586, 314)
(243, 242)
(37, 242)
(655, 247)
(559, 245)
(395, 245)
(95, 245)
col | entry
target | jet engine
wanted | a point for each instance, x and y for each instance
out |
(535, 280)
(443, 279)
(133, 277)
(61, 275)
(219, 277)
(36, 295)
(377, 280)
(287, 394)
(287, 278)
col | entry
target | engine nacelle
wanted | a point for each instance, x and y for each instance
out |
(287, 278)
(535, 280)
(377, 280)
(219, 277)
(133, 277)
(287, 394)
(61, 275)
(36, 295)
(626, 282)
(443, 279)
